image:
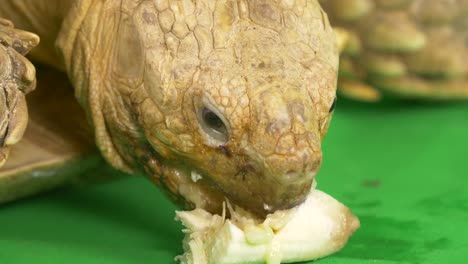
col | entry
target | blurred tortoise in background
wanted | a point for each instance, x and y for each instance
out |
(414, 49)
(209, 99)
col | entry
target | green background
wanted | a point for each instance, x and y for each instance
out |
(402, 167)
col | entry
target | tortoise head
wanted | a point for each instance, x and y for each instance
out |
(216, 99)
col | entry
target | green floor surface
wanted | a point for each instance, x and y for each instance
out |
(401, 167)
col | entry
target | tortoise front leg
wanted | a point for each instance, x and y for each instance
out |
(17, 78)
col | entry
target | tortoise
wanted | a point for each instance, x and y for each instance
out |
(142, 123)
(215, 101)
(406, 49)
(389, 47)
(210, 100)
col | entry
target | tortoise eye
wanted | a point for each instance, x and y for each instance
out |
(213, 125)
(333, 106)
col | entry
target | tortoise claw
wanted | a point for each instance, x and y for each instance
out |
(19, 40)
(3, 155)
(17, 78)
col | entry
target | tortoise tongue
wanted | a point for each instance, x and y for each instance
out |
(56, 146)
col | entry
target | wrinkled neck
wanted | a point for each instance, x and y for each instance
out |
(85, 45)
(89, 26)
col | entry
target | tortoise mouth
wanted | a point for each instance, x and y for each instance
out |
(259, 201)
(192, 187)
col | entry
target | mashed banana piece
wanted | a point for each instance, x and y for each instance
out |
(319, 227)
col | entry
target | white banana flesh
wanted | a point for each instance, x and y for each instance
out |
(317, 228)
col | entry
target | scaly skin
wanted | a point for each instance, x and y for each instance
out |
(144, 71)
(17, 78)
(407, 48)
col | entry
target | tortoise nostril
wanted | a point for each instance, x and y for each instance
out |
(293, 175)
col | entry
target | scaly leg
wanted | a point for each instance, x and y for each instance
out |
(17, 78)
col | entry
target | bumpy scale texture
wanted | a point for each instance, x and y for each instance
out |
(17, 77)
(266, 68)
(409, 48)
